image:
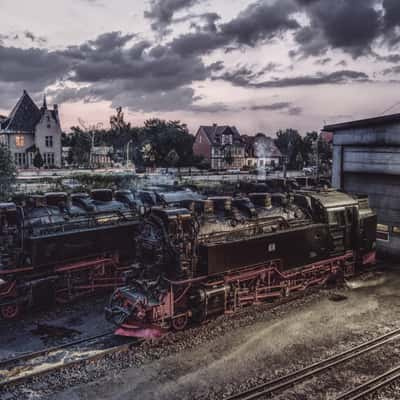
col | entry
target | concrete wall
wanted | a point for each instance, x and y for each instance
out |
(367, 161)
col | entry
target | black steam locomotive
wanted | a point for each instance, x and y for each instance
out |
(61, 247)
(201, 257)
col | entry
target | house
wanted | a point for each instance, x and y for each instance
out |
(100, 156)
(29, 130)
(261, 151)
(221, 146)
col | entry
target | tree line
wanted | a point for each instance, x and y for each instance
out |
(160, 143)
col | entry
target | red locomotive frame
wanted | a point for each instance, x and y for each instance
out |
(251, 285)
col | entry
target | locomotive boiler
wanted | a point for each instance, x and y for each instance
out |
(62, 247)
(220, 254)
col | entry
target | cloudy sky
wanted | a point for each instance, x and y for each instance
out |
(258, 64)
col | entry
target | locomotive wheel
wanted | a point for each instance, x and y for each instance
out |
(9, 311)
(179, 323)
(117, 313)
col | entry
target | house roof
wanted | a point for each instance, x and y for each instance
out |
(269, 148)
(215, 132)
(24, 116)
(362, 123)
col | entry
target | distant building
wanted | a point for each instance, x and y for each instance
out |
(261, 151)
(366, 160)
(222, 146)
(101, 156)
(29, 129)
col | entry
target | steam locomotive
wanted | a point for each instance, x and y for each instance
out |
(203, 257)
(62, 247)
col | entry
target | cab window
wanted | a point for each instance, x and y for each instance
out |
(336, 217)
(382, 232)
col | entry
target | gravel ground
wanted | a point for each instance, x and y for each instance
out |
(77, 320)
(231, 354)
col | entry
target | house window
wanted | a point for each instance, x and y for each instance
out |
(199, 138)
(20, 159)
(48, 159)
(20, 141)
(49, 141)
(227, 139)
(382, 232)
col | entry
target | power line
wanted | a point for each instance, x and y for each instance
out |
(391, 108)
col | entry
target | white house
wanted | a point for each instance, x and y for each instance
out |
(30, 129)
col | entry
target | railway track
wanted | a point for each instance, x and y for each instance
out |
(26, 366)
(280, 384)
(371, 386)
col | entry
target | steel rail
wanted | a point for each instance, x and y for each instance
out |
(372, 385)
(68, 364)
(27, 356)
(284, 382)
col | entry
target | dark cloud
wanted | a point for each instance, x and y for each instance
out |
(332, 78)
(323, 61)
(245, 77)
(392, 14)
(351, 26)
(26, 65)
(162, 11)
(261, 21)
(35, 39)
(283, 106)
(295, 111)
(390, 58)
(271, 107)
(392, 71)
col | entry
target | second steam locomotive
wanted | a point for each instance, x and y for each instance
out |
(203, 257)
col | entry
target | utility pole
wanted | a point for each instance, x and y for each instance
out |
(127, 152)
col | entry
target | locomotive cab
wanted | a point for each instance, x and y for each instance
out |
(8, 232)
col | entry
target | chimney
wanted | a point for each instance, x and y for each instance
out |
(215, 125)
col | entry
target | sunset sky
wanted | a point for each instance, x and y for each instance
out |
(260, 65)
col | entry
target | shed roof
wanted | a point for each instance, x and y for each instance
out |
(363, 123)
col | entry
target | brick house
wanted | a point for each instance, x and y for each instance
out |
(29, 129)
(222, 146)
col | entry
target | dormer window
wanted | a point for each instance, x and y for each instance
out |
(20, 141)
(226, 139)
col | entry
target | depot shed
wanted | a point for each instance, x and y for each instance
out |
(366, 160)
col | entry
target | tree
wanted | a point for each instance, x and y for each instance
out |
(172, 158)
(290, 144)
(7, 173)
(80, 144)
(38, 160)
(161, 137)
